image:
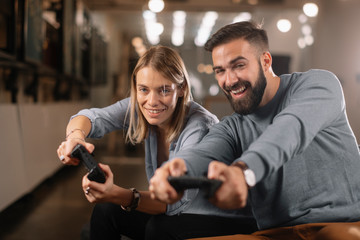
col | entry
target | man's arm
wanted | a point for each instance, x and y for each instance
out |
(312, 105)
(219, 144)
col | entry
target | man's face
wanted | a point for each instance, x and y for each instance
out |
(240, 75)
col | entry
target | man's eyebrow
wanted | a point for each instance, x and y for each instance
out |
(231, 62)
(236, 59)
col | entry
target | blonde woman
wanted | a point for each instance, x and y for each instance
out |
(160, 112)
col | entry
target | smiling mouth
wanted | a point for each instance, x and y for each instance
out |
(239, 90)
(155, 111)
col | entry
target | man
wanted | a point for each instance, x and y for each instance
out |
(288, 149)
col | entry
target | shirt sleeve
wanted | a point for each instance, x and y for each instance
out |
(220, 143)
(107, 119)
(196, 128)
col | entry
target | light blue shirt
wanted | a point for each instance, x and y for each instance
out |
(198, 121)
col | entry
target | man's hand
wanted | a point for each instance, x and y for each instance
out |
(233, 193)
(160, 188)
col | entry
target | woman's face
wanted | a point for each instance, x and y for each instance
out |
(156, 96)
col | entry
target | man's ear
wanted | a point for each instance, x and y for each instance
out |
(266, 60)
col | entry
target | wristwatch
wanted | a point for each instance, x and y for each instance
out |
(249, 175)
(135, 201)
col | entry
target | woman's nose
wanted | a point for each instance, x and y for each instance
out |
(153, 98)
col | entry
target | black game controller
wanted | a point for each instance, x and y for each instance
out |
(95, 172)
(206, 185)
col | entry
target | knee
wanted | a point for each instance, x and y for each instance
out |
(102, 211)
(155, 229)
(339, 232)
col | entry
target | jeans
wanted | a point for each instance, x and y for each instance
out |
(110, 221)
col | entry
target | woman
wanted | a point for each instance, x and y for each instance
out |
(161, 113)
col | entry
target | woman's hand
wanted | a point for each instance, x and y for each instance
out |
(99, 192)
(66, 147)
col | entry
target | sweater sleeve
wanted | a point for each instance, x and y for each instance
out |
(107, 119)
(311, 104)
(198, 123)
(221, 144)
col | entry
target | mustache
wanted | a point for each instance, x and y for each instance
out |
(237, 85)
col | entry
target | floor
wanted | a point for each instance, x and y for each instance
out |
(57, 209)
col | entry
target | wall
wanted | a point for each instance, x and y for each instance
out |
(30, 135)
(337, 49)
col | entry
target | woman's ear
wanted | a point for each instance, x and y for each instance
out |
(181, 90)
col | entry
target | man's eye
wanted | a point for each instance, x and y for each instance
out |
(218, 71)
(239, 65)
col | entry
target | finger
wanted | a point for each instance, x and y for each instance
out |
(161, 189)
(87, 190)
(106, 169)
(214, 170)
(177, 167)
(90, 147)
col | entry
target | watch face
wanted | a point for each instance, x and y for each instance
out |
(250, 177)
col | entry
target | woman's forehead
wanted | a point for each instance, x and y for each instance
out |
(150, 77)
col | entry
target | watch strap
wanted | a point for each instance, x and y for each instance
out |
(135, 201)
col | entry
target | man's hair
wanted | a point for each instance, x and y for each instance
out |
(251, 32)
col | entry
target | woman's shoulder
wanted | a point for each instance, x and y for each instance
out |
(198, 113)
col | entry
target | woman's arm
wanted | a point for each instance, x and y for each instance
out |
(76, 131)
(93, 123)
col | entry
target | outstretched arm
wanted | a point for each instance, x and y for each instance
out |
(76, 131)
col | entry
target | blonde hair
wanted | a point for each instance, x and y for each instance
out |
(167, 62)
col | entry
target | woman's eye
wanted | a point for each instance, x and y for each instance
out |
(142, 89)
(164, 91)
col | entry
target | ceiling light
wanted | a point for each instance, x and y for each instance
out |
(156, 5)
(177, 36)
(153, 29)
(310, 9)
(302, 18)
(244, 16)
(301, 43)
(205, 29)
(253, 2)
(309, 40)
(284, 25)
(214, 90)
(306, 29)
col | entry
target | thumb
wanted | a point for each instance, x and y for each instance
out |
(177, 167)
(215, 169)
(90, 147)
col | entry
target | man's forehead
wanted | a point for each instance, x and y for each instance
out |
(236, 49)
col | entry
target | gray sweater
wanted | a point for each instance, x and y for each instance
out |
(198, 121)
(301, 148)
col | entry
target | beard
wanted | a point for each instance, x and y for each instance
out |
(254, 96)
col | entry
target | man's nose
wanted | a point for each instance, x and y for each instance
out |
(230, 78)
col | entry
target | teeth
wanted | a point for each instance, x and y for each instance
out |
(240, 90)
(155, 111)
